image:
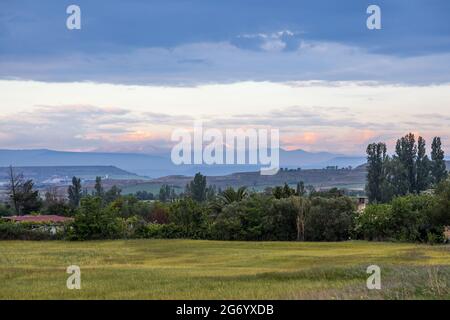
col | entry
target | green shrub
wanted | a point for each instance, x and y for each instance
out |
(5, 210)
(161, 231)
(26, 231)
(411, 218)
(374, 223)
(243, 220)
(280, 221)
(93, 221)
(330, 219)
(191, 216)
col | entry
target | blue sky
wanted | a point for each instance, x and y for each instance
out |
(139, 69)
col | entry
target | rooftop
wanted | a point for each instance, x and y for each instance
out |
(41, 218)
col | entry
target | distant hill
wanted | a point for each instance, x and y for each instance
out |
(63, 174)
(141, 164)
(354, 179)
(161, 165)
(320, 178)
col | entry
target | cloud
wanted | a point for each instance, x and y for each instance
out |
(224, 62)
(270, 42)
(334, 116)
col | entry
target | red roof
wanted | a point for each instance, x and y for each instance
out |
(43, 218)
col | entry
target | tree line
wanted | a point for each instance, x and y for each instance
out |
(408, 171)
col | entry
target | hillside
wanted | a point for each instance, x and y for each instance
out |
(320, 178)
(354, 179)
(64, 174)
(161, 165)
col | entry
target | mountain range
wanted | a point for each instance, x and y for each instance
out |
(154, 166)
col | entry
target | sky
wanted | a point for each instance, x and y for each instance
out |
(137, 70)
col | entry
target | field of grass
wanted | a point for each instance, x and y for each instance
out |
(187, 269)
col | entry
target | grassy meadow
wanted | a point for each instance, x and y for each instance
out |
(188, 269)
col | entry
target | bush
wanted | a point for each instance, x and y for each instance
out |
(129, 206)
(412, 218)
(243, 220)
(161, 231)
(5, 210)
(191, 217)
(280, 221)
(375, 223)
(26, 231)
(330, 219)
(93, 221)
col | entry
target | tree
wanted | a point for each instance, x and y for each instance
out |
(438, 167)
(211, 193)
(112, 194)
(423, 167)
(55, 203)
(28, 198)
(190, 215)
(15, 184)
(94, 221)
(166, 193)
(406, 153)
(74, 192)
(376, 158)
(283, 192)
(230, 195)
(330, 219)
(23, 197)
(196, 189)
(394, 182)
(302, 205)
(301, 190)
(144, 195)
(99, 191)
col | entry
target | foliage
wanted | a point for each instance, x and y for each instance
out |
(56, 205)
(161, 231)
(167, 193)
(112, 194)
(197, 189)
(330, 219)
(93, 221)
(408, 171)
(5, 210)
(98, 188)
(191, 216)
(242, 220)
(283, 192)
(438, 167)
(144, 195)
(374, 222)
(376, 157)
(280, 221)
(23, 197)
(413, 218)
(26, 231)
(74, 192)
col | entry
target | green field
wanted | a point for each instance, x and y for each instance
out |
(187, 269)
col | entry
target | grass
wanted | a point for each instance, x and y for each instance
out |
(187, 269)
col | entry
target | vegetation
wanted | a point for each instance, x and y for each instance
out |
(400, 210)
(408, 171)
(23, 198)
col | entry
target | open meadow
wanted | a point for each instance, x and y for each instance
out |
(188, 269)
